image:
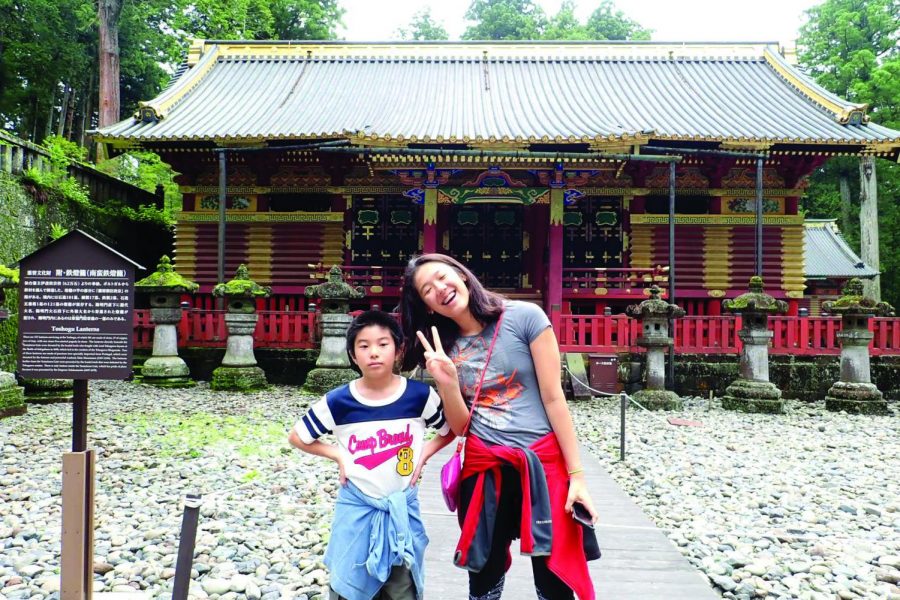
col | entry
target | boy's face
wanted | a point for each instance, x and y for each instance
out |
(374, 350)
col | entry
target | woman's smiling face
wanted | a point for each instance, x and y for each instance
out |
(442, 289)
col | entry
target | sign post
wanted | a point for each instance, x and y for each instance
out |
(76, 300)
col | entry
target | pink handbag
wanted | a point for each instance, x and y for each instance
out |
(452, 470)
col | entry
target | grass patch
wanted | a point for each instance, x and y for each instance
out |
(202, 433)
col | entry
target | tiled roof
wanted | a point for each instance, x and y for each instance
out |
(481, 93)
(827, 255)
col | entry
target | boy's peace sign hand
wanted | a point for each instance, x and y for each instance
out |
(437, 363)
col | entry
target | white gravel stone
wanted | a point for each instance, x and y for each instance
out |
(795, 502)
(749, 499)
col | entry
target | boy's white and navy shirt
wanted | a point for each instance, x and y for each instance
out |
(381, 440)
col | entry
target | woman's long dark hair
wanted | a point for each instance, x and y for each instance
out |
(484, 305)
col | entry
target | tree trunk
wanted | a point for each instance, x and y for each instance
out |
(64, 110)
(70, 115)
(88, 114)
(844, 182)
(868, 223)
(49, 125)
(108, 13)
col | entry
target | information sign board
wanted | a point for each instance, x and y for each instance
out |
(75, 311)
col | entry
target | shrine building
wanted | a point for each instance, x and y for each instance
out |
(544, 167)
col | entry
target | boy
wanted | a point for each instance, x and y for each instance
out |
(377, 543)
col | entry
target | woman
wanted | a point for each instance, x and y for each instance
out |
(521, 435)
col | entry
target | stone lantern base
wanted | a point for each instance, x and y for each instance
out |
(238, 379)
(658, 399)
(12, 397)
(750, 396)
(321, 380)
(48, 391)
(166, 371)
(856, 398)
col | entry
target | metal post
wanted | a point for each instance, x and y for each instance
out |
(759, 216)
(623, 404)
(670, 363)
(185, 561)
(223, 193)
(79, 415)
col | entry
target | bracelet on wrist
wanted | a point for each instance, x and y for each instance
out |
(576, 471)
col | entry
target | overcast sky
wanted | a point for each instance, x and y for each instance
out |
(670, 20)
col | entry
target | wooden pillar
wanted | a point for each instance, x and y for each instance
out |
(539, 249)
(555, 262)
(429, 222)
(343, 203)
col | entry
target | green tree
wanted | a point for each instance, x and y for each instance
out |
(423, 27)
(524, 20)
(306, 19)
(564, 25)
(608, 23)
(850, 48)
(505, 20)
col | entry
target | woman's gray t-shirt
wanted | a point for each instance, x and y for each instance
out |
(510, 411)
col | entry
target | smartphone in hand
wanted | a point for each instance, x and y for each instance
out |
(581, 515)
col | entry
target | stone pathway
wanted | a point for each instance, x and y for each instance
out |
(638, 560)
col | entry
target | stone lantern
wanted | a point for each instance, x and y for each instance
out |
(752, 391)
(239, 370)
(165, 287)
(654, 314)
(855, 392)
(333, 365)
(12, 397)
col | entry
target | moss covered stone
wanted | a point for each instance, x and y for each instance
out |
(241, 286)
(658, 399)
(166, 279)
(856, 398)
(12, 397)
(853, 301)
(320, 381)
(48, 391)
(238, 379)
(755, 300)
(334, 295)
(753, 397)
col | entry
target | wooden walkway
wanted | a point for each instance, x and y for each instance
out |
(638, 560)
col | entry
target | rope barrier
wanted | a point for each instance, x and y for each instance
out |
(602, 393)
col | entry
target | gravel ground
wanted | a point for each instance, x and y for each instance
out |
(805, 505)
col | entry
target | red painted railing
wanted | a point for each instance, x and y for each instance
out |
(576, 333)
(596, 333)
(206, 328)
(719, 335)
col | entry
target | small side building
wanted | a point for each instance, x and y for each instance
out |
(829, 263)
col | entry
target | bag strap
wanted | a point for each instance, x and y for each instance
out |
(487, 360)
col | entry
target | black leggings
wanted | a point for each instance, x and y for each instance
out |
(487, 584)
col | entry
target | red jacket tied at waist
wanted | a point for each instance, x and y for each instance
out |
(567, 559)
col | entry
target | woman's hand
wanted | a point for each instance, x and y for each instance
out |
(578, 493)
(437, 363)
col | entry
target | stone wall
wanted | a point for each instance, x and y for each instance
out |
(803, 377)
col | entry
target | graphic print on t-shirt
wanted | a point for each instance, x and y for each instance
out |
(379, 439)
(381, 447)
(498, 389)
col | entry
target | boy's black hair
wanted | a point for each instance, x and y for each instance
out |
(367, 319)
